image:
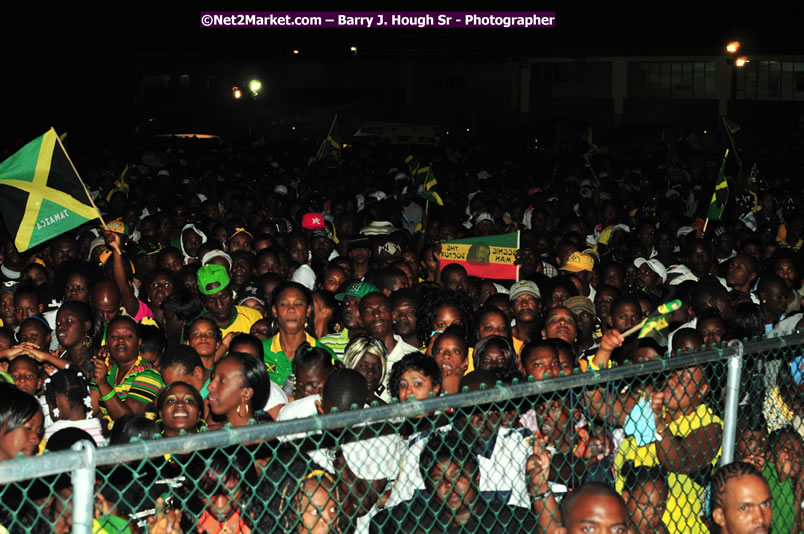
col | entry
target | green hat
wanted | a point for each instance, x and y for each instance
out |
(358, 289)
(209, 275)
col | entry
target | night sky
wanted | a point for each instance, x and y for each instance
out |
(58, 52)
(601, 29)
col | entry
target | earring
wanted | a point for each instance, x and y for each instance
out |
(238, 411)
(87, 341)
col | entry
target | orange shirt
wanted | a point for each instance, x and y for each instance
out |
(209, 524)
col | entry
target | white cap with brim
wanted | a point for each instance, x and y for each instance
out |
(212, 254)
(680, 273)
(654, 265)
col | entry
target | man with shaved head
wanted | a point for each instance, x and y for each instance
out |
(105, 298)
(594, 507)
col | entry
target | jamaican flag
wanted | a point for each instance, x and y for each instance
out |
(489, 256)
(41, 195)
(721, 195)
(330, 148)
(424, 179)
(413, 165)
(656, 325)
(427, 192)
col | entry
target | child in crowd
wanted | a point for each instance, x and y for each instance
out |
(70, 406)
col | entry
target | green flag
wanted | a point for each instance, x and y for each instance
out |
(721, 194)
(41, 195)
(656, 325)
(330, 148)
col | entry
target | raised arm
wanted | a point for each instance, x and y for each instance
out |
(127, 297)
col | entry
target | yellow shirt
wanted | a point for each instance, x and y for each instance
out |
(243, 319)
(518, 344)
(685, 500)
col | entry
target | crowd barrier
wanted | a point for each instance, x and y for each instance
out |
(481, 459)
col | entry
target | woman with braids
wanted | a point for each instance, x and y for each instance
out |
(301, 499)
(740, 500)
(67, 394)
(673, 428)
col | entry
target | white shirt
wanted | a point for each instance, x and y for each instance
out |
(90, 426)
(369, 459)
(276, 397)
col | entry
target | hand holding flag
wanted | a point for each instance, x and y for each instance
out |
(656, 326)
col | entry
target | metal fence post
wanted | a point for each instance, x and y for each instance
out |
(83, 479)
(735, 367)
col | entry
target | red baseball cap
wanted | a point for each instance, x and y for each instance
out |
(312, 220)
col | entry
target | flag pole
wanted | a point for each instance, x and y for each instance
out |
(731, 140)
(100, 217)
(635, 327)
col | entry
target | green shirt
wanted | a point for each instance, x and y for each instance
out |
(204, 389)
(784, 508)
(279, 365)
(143, 382)
(336, 342)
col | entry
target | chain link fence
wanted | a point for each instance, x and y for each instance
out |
(497, 459)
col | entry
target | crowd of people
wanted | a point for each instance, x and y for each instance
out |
(236, 285)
